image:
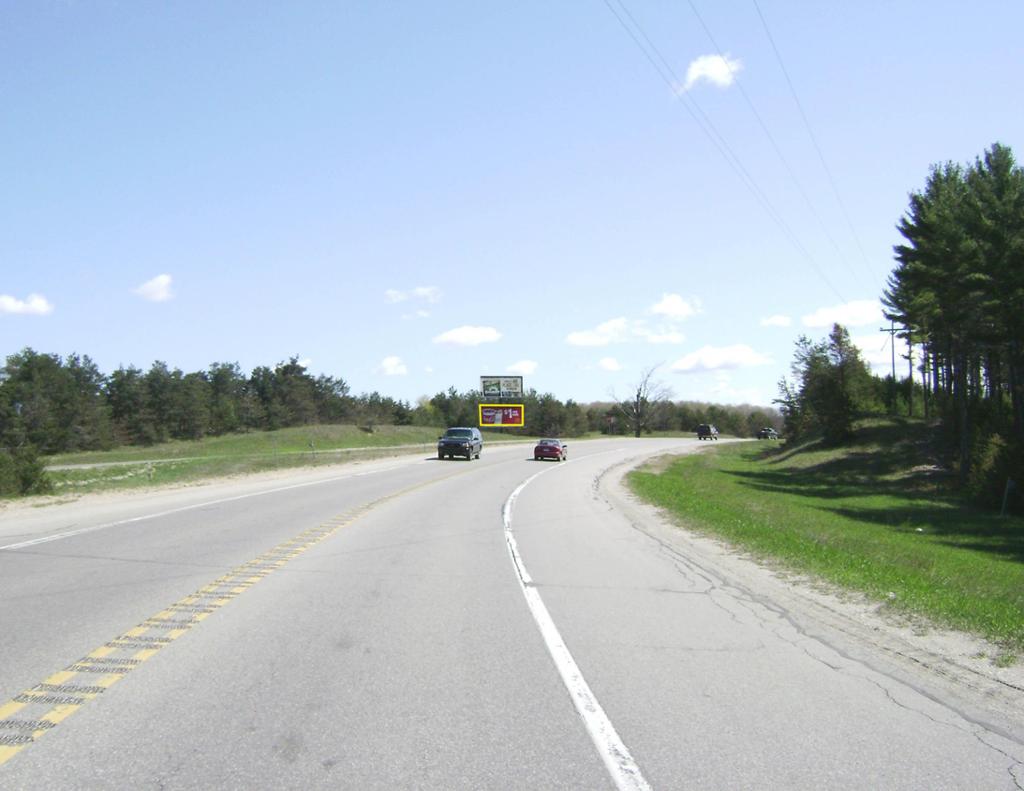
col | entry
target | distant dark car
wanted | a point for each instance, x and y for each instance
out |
(767, 433)
(460, 441)
(707, 431)
(551, 449)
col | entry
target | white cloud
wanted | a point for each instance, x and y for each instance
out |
(852, 314)
(875, 351)
(32, 305)
(425, 293)
(418, 314)
(609, 364)
(777, 321)
(392, 366)
(711, 358)
(723, 391)
(668, 336)
(719, 70)
(621, 330)
(156, 290)
(305, 363)
(675, 307)
(612, 331)
(468, 336)
(524, 367)
(429, 293)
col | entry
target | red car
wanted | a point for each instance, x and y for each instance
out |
(551, 449)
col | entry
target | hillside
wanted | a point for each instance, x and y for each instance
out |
(877, 515)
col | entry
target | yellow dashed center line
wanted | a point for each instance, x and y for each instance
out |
(40, 708)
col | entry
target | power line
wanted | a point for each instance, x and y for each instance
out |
(771, 139)
(707, 126)
(814, 140)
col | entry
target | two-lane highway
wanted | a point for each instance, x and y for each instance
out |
(377, 626)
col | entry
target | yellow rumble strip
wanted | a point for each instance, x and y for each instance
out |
(27, 717)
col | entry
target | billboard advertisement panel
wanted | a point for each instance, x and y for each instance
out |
(507, 415)
(501, 386)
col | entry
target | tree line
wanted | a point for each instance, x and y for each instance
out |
(958, 292)
(58, 405)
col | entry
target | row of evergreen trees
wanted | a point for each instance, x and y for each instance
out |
(958, 291)
(60, 405)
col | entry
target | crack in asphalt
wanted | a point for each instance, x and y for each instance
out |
(762, 610)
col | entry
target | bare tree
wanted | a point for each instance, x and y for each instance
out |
(645, 395)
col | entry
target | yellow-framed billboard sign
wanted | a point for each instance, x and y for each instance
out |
(504, 415)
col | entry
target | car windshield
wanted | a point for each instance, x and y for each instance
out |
(548, 442)
(459, 432)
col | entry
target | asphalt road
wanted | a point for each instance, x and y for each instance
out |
(416, 624)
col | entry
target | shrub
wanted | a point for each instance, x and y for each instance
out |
(993, 462)
(21, 473)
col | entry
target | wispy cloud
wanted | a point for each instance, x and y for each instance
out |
(156, 290)
(416, 314)
(653, 336)
(32, 305)
(392, 366)
(777, 321)
(609, 364)
(712, 358)
(852, 314)
(524, 367)
(719, 70)
(621, 330)
(468, 336)
(429, 294)
(611, 331)
(673, 306)
(723, 391)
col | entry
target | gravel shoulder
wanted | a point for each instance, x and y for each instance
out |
(951, 667)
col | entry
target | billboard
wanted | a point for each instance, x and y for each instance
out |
(508, 415)
(501, 386)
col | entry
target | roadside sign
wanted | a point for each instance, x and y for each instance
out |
(501, 386)
(502, 415)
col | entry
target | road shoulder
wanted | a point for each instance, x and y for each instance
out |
(948, 666)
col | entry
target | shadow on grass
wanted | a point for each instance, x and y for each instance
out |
(892, 471)
(959, 528)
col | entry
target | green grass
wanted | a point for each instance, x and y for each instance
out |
(871, 517)
(286, 440)
(237, 454)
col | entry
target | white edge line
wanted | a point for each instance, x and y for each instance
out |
(617, 759)
(70, 533)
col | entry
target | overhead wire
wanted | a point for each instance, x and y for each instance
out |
(814, 141)
(774, 143)
(707, 126)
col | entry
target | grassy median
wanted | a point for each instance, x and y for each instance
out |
(238, 454)
(873, 517)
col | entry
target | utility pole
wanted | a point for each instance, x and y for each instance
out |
(910, 373)
(892, 346)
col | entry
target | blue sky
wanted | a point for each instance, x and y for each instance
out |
(411, 195)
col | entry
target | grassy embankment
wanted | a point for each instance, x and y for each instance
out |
(875, 516)
(235, 454)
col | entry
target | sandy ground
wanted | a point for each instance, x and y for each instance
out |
(957, 668)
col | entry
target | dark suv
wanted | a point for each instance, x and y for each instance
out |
(460, 442)
(707, 431)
